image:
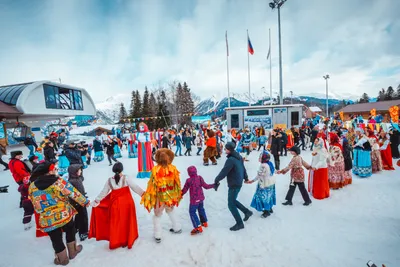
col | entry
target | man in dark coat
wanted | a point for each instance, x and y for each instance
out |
(275, 147)
(73, 154)
(48, 152)
(109, 146)
(314, 134)
(284, 141)
(165, 141)
(235, 172)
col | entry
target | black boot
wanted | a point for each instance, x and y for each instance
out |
(287, 203)
(271, 211)
(307, 203)
(265, 214)
(237, 227)
(247, 216)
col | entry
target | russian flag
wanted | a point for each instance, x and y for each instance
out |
(249, 46)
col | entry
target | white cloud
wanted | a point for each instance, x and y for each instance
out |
(129, 44)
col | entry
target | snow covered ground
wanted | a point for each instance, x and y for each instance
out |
(358, 223)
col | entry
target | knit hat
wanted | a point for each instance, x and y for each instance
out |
(32, 158)
(192, 171)
(265, 156)
(16, 153)
(295, 149)
(230, 146)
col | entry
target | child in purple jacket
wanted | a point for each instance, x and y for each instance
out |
(195, 185)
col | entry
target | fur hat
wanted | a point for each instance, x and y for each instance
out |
(16, 153)
(210, 133)
(164, 157)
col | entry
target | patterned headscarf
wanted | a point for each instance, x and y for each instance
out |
(334, 140)
(265, 158)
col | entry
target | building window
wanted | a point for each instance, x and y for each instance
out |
(294, 116)
(264, 112)
(62, 98)
(235, 121)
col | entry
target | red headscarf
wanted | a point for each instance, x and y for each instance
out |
(334, 140)
(371, 134)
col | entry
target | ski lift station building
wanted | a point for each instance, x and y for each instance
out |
(282, 116)
(34, 103)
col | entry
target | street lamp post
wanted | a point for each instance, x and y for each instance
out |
(277, 4)
(326, 77)
(291, 97)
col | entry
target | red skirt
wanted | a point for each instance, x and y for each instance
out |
(387, 160)
(318, 183)
(115, 219)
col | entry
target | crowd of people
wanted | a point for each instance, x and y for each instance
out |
(51, 182)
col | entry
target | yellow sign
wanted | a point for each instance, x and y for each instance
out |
(280, 126)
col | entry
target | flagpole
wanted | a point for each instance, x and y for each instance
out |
(227, 69)
(270, 69)
(248, 66)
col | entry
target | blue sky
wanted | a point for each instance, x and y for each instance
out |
(112, 47)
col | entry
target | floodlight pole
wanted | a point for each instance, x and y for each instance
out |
(326, 77)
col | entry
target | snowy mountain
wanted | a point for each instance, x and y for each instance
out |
(108, 110)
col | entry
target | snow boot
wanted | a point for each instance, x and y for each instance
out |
(265, 214)
(307, 203)
(196, 231)
(287, 203)
(83, 237)
(271, 211)
(27, 226)
(158, 240)
(175, 231)
(215, 163)
(206, 164)
(176, 227)
(61, 258)
(237, 227)
(247, 216)
(204, 224)
(73, 249)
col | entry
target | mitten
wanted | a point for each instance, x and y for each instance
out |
(216, 185)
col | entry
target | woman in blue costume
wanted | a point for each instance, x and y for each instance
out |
(117, 150)
(132, 150)
(98, 150)
(63, 163)
(362, 165)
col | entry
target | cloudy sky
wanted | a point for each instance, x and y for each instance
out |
(111, 47)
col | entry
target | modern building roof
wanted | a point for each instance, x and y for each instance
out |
(315, 109)
(8, 110)
(366, 107)
(9, 93)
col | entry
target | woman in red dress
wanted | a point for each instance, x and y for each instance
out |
(386, 151)
(318, 184)
(114, 214)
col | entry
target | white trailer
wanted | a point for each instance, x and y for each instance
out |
(284, 116)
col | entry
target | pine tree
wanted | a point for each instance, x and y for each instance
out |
(164, 120)
(389, 93)
(122, 113)
(132, 103)
(188, 105)
(364, 98)
(137, 106)
(153, 111)
(398, 92)
(382, 95)
(179, 103)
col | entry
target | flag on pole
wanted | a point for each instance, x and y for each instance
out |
(227, 48)
(249, 46)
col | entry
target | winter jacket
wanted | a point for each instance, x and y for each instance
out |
(165, 142)
(234, 170)
(30, 142)
(49, 195)
(76, 181)
(49, 154)
(199, 141)
(73, 155)
(246, 140)
(178, 140)
(275, 145)
(284, 138)
(195, 185)
(296, 169)
(264, 176)
(262, 139)
(188, 142)
(109, 148)
(19, 170)
(97, 146)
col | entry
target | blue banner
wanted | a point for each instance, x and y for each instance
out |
(200, 119)
(2, 133)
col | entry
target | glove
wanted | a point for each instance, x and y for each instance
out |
(216, 185)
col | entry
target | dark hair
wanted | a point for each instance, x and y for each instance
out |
(117, 169)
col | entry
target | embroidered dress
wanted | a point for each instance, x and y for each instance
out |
(98, 151)
(362, 158)
(386, 154)
(336, 168)
(265, 196)
(318, 182)
(376, 159)
(132, 150)
(117, 151)
(348, 163)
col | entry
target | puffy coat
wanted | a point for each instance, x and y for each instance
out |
(233, 170)
(19, 170)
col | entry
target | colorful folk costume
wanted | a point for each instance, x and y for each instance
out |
(290, 139)
(386, 151)
(265, 197)
(318, 182)
(362, 155)
(132, 149)
(348, 162)
(98, 150)
(376, 159)
(114, 213)
(145, 161)
(63, 164)
(336, 163)
(163, 191)
(117, 149)
(211, 149)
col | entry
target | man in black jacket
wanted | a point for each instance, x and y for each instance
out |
(73, 154)
(235, 172)
(284, 141)
(109, 146)
(48, 152)
(275, 145)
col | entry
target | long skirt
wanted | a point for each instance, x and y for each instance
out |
(336, 175)
(387, 160)
(98, 156)
(132, 151)
(145, 161)
(348, 179)
(264, 198)
(63, 164)
(117, 152)
(362, 163)
(376, 161)
(84, 161)
(115, 219)
(318, 184)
